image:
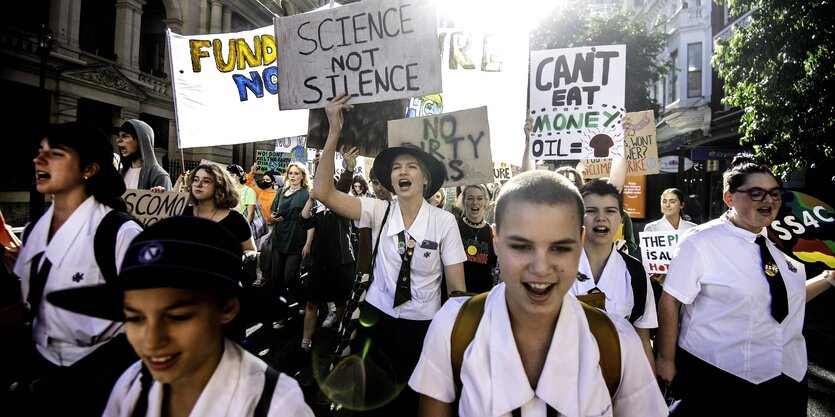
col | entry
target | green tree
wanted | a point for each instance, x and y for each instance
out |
(574, 26)
(780, 70)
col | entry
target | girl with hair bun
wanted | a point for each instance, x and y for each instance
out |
(672, 204)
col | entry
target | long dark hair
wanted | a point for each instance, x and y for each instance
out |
(93, 147)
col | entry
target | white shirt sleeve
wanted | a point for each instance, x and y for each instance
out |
(686, 269)
(638, 393)
(452, 248)
(433, 374)
(288, 399)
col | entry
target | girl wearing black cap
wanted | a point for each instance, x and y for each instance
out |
(76, 356)
(416, 242)
(178, 288)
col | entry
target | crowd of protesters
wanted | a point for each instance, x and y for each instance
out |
(101, 317)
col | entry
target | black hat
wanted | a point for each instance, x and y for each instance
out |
(128, 128)
(177, 252)
(384, 160)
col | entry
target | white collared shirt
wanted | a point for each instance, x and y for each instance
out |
(432, 227)
(616, 284)
(664, 225)
(494, 380)
(233, 390)
(61, 336)
(717, 274)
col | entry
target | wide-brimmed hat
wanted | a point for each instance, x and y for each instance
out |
(177, 252)
(384, 160)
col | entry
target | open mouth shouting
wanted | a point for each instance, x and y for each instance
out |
(600, 231)
(539, 291)
(765, 211)
(404, 184)
(41, 176)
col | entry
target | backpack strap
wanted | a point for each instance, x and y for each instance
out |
(608, 343)
(601, 326)
(270, 380)
(463, 332)
(104, 242)
(28, 229)
(638, 278)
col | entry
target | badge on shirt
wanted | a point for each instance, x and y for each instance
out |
(791, 266)
(78, 277)
(771, 269)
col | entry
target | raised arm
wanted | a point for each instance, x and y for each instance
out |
(819, 284)
(323, 190)
(527, 162)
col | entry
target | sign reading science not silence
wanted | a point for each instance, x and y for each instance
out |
(374, 50)
(460, 140)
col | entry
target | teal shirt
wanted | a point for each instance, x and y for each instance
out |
(289, 236)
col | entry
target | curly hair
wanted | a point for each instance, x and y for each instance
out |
(225, 196)
(363, 185)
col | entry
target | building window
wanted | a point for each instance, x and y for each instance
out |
(694, 70)
(673, 77)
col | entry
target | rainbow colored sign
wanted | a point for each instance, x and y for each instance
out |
(805, 230)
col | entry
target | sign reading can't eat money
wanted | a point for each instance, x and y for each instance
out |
(460, 140)
(577, 97)
(374, 50)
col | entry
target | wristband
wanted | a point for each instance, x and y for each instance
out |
(459, 294)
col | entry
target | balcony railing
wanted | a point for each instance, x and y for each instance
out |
(685, 18)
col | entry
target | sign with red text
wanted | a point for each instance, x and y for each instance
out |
(224, 88)
(460, 140)
(641, 149)
(149, 208)
(577, 102)
(374, 50)
(657, 250)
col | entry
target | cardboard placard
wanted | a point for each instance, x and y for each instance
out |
(502, 171)
(375, 50)
(641, 149)
(149, 208)
(577, 102)
(657, 250)
(460, 140)
(366, 126)
(224, 88)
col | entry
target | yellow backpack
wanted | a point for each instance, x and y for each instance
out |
(602, 328)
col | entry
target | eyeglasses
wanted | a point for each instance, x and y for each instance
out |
(205, 182)
(758, 194)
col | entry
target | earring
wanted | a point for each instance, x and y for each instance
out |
(85, 178)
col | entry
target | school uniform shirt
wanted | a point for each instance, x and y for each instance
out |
(61, 336)
(494, 380)
(233, 390)
(663, 225)
(438, 244)
(717, 274)
(616, 284)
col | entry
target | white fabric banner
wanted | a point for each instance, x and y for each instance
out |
(225, 87)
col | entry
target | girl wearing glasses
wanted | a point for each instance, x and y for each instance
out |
(739, 348)
(213, 196)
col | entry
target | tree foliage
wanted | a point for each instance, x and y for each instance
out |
(574, 26)
(780, 71)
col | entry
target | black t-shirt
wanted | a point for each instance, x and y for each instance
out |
(481, 258)
(234, 222)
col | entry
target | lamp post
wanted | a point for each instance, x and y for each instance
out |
(45, 39)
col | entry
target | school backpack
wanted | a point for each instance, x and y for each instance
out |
(637, 278)
(104, 241)
(602, 328)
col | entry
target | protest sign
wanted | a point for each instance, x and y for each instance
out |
(488, 69)
(374, 50)
(634, 196)
(641, 149)
(657, 250)
(460, 140)
(577, 99)
(291, 143)
(425, 105)
(805, 230)
(224, 89)
(149, 208)
(359, 169)
(365, 126)
(272, 161)
(502, 171)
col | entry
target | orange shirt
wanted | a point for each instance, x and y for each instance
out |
(265, 196)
